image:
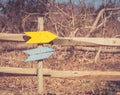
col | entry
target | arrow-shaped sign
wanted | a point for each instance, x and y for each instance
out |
(41, 37)
(39, 53)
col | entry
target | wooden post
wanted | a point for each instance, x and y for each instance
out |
(40, 64)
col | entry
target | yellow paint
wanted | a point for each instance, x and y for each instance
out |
(41, 37)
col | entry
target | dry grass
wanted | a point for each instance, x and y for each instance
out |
(27, 85)
(64, 21)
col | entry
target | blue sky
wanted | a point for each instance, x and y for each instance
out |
(97, 3)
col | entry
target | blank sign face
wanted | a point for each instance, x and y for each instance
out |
(39, 53)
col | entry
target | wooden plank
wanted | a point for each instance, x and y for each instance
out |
(40, 23)
(40, 64)
(67, 40)
(23, 71)
(13, 37)
(40, 77)
(87, 41)
(88, 75)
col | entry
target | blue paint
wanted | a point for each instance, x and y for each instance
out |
(39, 53)
(38, 50)
(38, 56)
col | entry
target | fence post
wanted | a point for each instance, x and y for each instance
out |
(40, 64)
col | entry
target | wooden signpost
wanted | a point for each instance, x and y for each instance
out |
(40, 53)
(40, 64)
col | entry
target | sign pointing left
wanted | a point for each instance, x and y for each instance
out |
(39, 53)
(40, 37)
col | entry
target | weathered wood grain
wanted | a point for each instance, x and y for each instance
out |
(89, 75)
(85, 41)
(40, 64)
(24, 71)
(13, 37)
(67, 40)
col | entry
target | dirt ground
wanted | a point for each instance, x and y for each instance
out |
(78, 60)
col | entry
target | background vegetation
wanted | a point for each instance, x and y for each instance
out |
(65, 19)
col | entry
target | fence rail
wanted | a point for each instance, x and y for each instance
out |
(66, 40)
(89, 75)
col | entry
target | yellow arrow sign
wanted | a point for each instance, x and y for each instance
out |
(41, 37)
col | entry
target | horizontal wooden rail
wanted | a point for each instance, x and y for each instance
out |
(94, 75)
(87, 41)
(12, 37)
(67, 40)
(24, 71)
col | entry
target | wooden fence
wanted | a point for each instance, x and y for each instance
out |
(95, 75)
(40, 71)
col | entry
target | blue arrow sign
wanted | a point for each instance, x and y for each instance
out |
(39, 53)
